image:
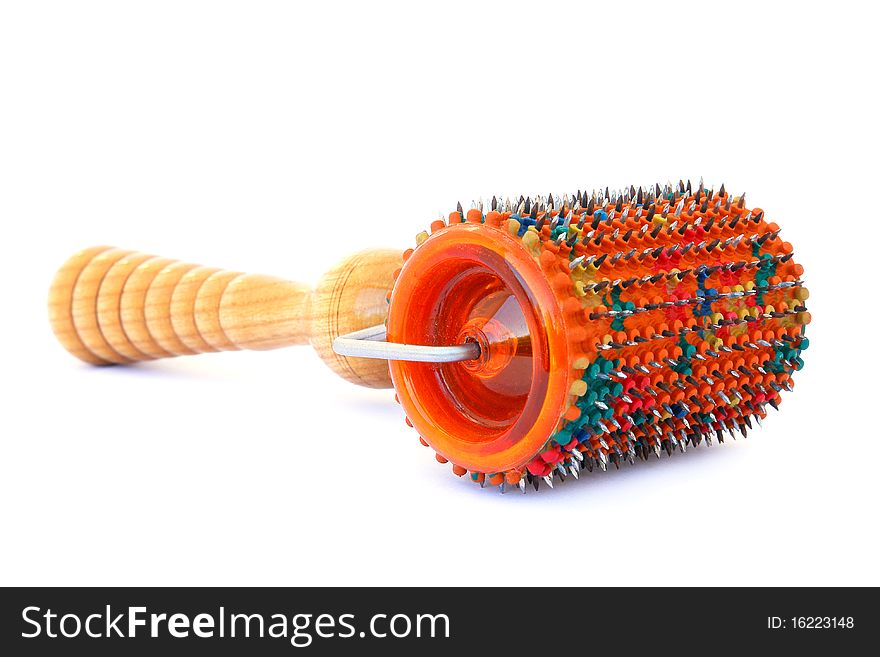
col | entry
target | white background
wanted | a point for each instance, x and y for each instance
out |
(278, 137)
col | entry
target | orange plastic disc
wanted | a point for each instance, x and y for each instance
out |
(476, 282)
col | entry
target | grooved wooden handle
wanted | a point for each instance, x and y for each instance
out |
(109, 305)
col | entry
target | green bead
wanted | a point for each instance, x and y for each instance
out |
(563, 436)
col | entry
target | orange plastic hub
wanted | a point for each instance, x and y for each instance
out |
(474, 282)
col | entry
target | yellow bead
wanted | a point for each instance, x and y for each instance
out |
(530, 238)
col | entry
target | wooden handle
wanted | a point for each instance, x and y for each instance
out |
(110, 305)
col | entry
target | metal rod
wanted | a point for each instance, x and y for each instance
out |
(370, 343)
